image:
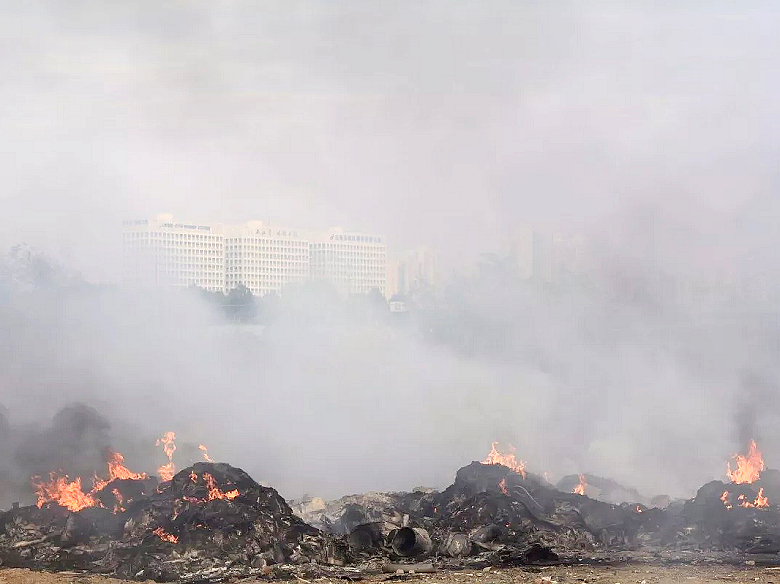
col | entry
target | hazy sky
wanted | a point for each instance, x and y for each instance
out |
(433, 122)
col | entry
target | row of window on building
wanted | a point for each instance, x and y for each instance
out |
(159, 254)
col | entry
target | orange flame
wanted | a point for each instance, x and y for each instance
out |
(165, 536)
(205, 452)
(748, 467)
(508, 459)
(725, 498)
(502, 486)
(761, 501)
(116, 470)
(69, 494)
(580, 488)
(64, 492)
(166, 471)
(214, 492)
(758, 503)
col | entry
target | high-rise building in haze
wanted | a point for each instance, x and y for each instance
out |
(265, 258)
(161, 252)
(353, 262)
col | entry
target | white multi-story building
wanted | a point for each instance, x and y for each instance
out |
(265, 258)
(161, 252)
(355, 263)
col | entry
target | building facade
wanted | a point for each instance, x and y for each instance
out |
(264, 258)
(355, 263)
(161, 252)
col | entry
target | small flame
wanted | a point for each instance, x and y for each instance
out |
(165, 536)
(120, 501)
(580, 488)
(166, 471)
(760, 502)
(725, 498)
(214, 492)
(508, 459)
(502, 486)
(205, 452)
(748, 468)
(639, 509)
(193, 476)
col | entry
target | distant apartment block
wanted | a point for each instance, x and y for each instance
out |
(355, 263)
(264, 258)
(162, 252)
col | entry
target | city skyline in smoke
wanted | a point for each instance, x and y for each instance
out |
(417, 121)
(648, 128)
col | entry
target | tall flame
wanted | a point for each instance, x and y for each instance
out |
(508, 459)
(166, 471)
(205, 452)
(748, 468)
(580, 488)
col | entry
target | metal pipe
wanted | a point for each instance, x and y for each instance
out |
(411, 541)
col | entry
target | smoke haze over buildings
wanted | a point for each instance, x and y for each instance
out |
(649, 128)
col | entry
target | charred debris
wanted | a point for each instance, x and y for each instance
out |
(213, 522)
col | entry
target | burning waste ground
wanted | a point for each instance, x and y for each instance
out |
(211, 521)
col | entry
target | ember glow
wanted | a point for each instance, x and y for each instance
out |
(205, 452)
(165, 536)
(166, 471)
(748, 468)
(580, 488)
(64, 492)
(725, 498)
(508, 459)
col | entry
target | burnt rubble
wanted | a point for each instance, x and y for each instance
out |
(213, 522)
(190, 528)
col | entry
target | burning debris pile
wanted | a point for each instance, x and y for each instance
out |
(211, 521)
(735, 515)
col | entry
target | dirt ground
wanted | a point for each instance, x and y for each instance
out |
(627, 574)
